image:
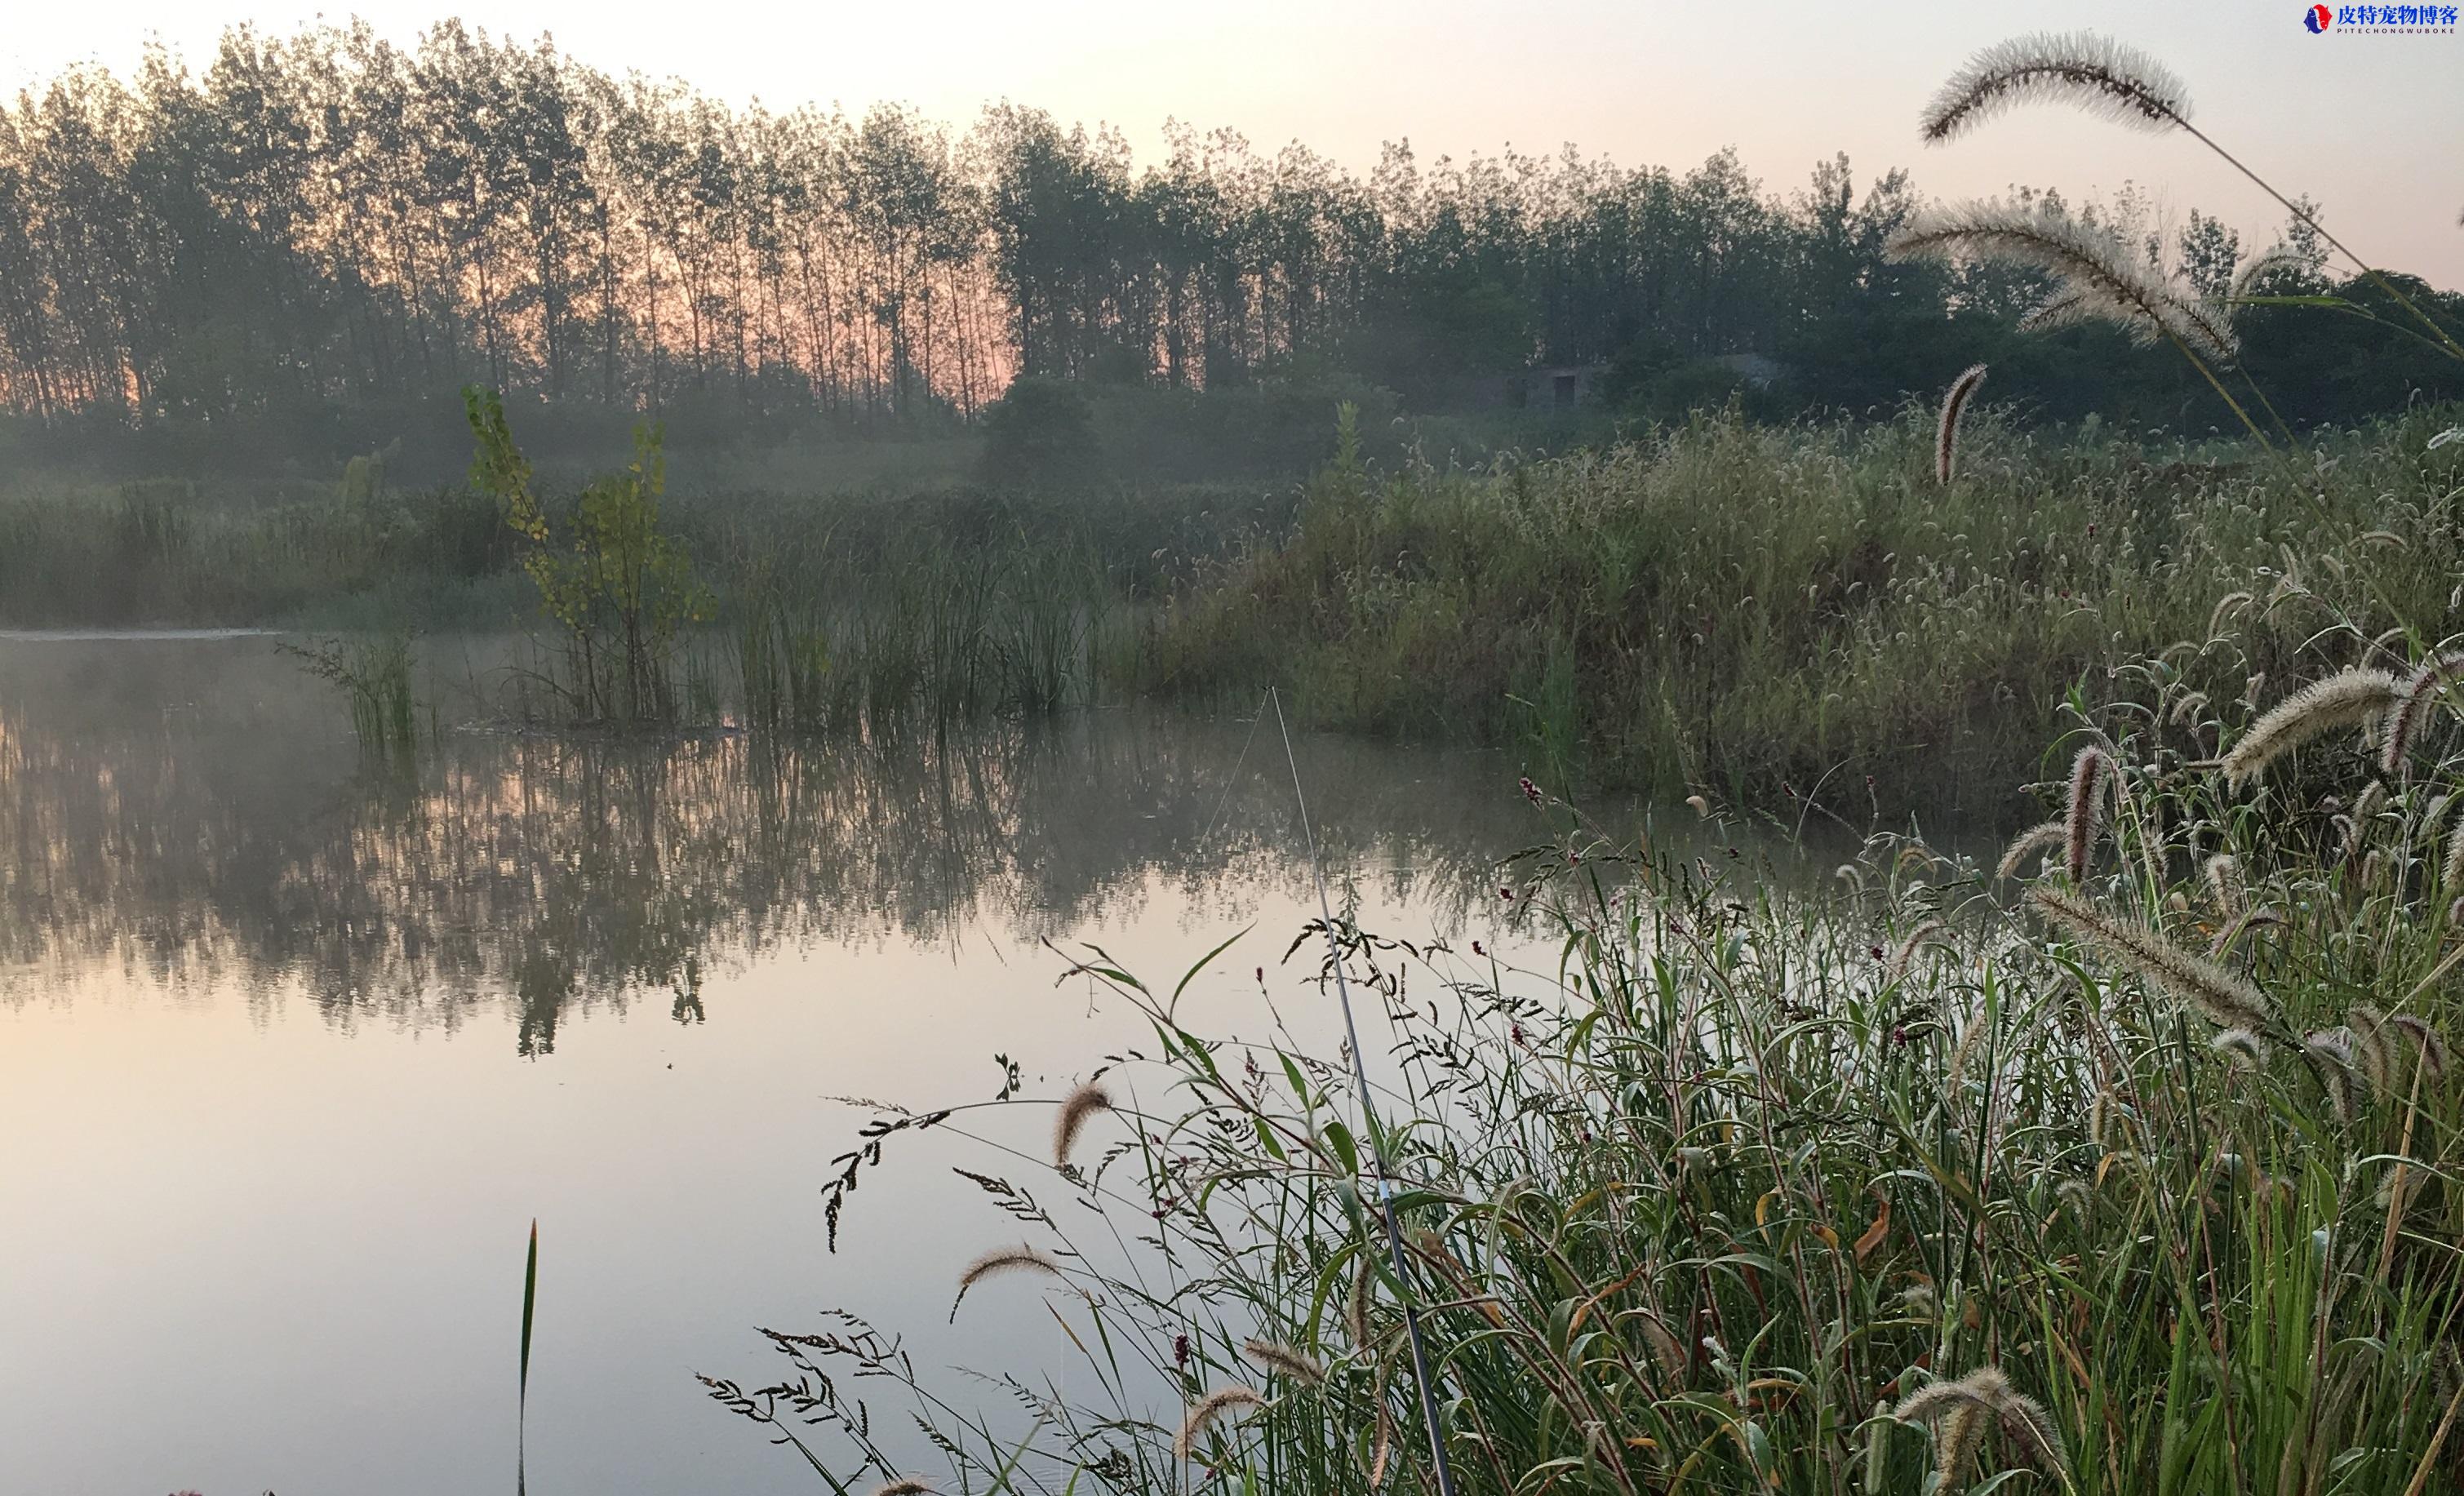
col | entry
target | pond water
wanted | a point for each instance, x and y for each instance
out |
(294, 1050)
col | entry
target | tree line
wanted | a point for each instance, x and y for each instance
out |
(329, 219)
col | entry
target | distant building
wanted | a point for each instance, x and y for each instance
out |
(1556, 387)
(1567, 387)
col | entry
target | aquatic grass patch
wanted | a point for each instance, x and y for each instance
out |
(373, 673)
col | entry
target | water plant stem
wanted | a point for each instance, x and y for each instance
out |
(1404, 1278)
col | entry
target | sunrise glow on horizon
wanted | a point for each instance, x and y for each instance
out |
(2364, 123)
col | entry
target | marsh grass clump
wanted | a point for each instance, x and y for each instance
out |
(374, 675)
(1735, 611)
(611, 576)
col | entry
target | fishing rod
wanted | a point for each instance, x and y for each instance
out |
(1403, 1275)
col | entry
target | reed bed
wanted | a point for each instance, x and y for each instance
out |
(1776, 611)
(2127, 1169)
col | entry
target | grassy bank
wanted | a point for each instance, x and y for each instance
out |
(1760, 610)
(2133, 1175)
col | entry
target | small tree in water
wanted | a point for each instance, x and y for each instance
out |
(619, 586)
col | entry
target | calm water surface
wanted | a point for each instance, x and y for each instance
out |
(293, 1051)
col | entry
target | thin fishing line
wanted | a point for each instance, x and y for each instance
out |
(1376, 1137)
(1224, 799)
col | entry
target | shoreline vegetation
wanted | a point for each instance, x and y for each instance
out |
(2127, 1166)
(1763, 613)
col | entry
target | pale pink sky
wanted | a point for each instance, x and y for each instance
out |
(2370, 126)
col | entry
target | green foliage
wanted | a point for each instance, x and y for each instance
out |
(1041, 435)
(616, 581)
(363, 476)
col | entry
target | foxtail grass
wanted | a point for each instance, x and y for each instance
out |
(2106, 77)
(2097, 280)
(2099, 74)
(1075, 1109)
(2349, 700)
(2403, 723)
(1222, 1402)
(2083, 809)
(2225, 999)
(1954, 405)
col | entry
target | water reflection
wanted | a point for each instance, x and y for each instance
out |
(196, 812)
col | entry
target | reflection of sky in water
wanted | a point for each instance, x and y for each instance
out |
(262, 1020)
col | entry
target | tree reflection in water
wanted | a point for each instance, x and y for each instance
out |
(197, 814)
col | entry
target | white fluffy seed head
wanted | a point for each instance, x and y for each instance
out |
(2094, 73)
